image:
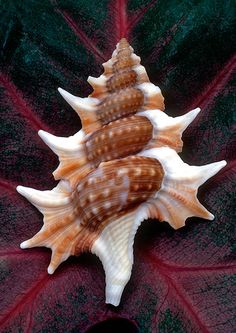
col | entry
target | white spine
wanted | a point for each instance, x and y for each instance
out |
(62, 145)
(78, 103)
(162, 122)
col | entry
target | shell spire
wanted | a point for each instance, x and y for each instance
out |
(126, 65)
(122, 90)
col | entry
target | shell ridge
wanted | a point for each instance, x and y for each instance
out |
(113, 249)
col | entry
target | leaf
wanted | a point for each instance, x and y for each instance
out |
(182, 281)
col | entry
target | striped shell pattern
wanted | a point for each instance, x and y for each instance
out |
(121, 168)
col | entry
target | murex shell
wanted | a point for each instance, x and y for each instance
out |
(119, 170)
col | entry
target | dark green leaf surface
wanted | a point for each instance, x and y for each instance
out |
(182, 281)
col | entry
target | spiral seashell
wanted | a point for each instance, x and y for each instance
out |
(119, 170)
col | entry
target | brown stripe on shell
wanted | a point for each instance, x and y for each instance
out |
(126, 102)
(83, 237)
(121, 104)
(121, 80)
(116, 186)
(123, 62)
(118, 139)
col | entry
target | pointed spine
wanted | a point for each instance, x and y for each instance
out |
(86, 109)
(167, 131)
(74, 164)
(177, 198)
(60, 228)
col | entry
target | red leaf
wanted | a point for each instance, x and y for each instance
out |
(182, 281)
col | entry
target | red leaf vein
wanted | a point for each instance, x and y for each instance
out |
(120, 19)
(8, 185)
(179, 292)
(164, 41)
(20, 103)
(154, 321)
(186, 302)
(139, 15)
(19, 252)
(87, 42)
(27, 298)
(172, 268)
(216, 85)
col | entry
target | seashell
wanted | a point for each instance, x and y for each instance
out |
(123, 89)
(119, 170)
(103, 213)
(80, 154)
